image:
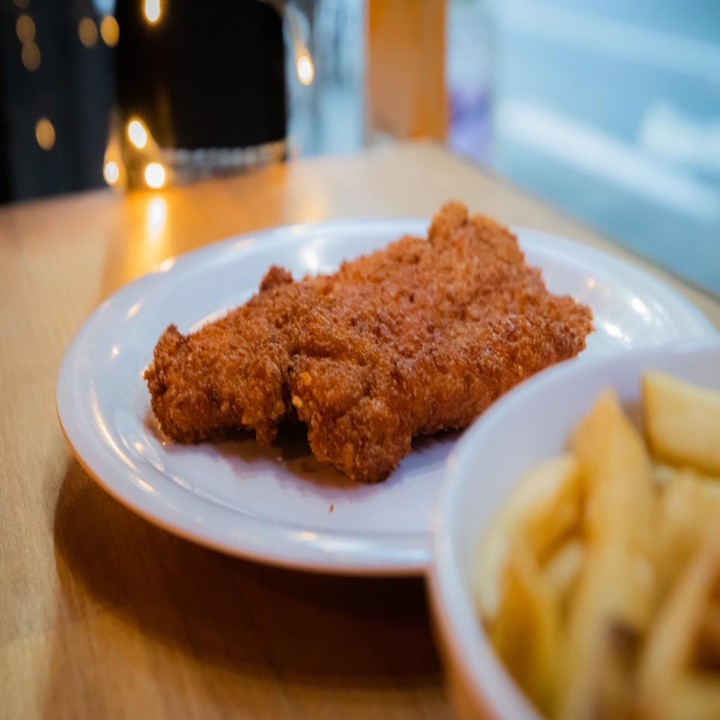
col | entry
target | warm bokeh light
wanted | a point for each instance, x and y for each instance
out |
(137, 133)
(88, 32)
(153, 11)
(305, 69)
(25, 29)
(157, 217)
(155, 175)
(111, 172)
(110, 31)
(165, 265)
(45, 134)
(30, 56)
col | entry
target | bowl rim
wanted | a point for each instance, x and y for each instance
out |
(470, 654)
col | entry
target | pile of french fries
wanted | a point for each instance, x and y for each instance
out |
(599, 581)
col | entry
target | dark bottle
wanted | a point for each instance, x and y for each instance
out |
(206, 80)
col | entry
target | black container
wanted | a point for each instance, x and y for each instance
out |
(207, 80)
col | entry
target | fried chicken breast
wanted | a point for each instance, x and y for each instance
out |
(410, 340)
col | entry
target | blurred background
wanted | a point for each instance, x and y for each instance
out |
(608, 109)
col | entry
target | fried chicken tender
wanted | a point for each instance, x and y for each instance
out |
(410, 340)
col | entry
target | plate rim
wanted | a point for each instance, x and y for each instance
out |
(401, 560)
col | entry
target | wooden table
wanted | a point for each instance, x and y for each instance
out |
(102, 615)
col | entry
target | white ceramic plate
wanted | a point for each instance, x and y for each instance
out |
(271, 505)
(521, 430)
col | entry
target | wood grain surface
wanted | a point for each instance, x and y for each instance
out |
(102, 615)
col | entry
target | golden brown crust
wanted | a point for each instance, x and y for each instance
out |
(410, 340)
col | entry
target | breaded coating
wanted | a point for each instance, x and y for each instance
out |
(410, 340)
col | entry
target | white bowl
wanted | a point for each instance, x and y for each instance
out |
(530, 424)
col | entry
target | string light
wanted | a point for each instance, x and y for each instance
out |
(305, 68)
(30, 55)
(155, 175)
(25, 29)
(153, 11)
(137, 134)
(111, 172)
(88, 32)
(45, 134)
(110, 30)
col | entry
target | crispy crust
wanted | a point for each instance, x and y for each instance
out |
(419, 337)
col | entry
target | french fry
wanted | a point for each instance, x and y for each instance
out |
(619, 504)
(525, 631)
(600, 578)
(683, 422)
(707, 650)
(671, 639)
(616, 468)
(602, 640)
(562, 572)
(545, 510)
(696, 697)
(685, 507)
(614, 599)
